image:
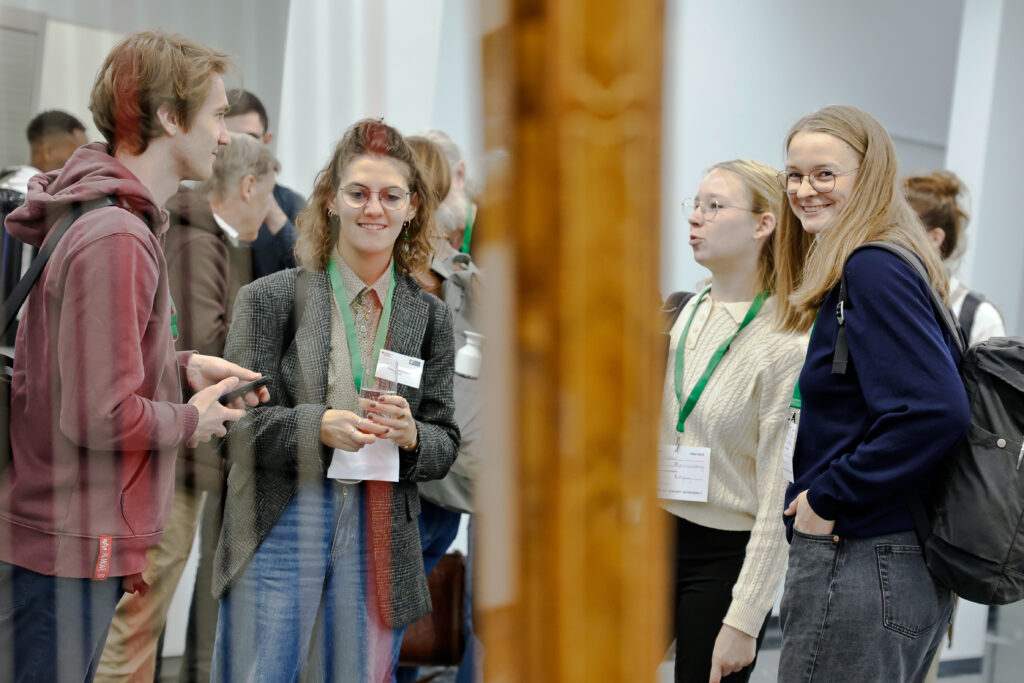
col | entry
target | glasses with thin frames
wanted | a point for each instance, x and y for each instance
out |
(822, 180)
(391, 198)
(708, 209)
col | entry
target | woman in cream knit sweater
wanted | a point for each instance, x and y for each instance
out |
(724, 427)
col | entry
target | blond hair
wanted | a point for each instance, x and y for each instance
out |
(765, 197)
(147, 70)
(808, 268)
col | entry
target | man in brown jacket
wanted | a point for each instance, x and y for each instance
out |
(206, 267)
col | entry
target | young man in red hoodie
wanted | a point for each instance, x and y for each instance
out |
(96, 411)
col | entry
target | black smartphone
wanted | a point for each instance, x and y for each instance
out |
(243, 390)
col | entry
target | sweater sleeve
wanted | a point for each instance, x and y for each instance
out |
(764, 561)
(915, 400)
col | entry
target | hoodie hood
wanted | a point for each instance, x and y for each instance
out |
(89, 174)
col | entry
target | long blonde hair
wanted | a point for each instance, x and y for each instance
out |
(877, 210)
(765, 197)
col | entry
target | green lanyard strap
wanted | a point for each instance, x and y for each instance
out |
(174, 321)
(355, 354)
(698, 388)
(797, 399)
(468, 234)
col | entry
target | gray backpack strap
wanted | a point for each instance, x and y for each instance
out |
(840, 358)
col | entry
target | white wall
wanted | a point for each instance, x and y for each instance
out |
(986, 146)
(741, 73)
(252, 31)
(413, 62)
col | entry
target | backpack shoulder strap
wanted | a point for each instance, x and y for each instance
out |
(969, 310)
(674, 305)
(840, 358)
(14, 302)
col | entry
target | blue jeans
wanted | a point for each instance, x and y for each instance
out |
(53, 628)
(860, 609)
(306, 605)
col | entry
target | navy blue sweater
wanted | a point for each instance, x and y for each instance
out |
(868, 440)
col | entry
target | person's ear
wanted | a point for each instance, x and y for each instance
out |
(765, 226)
(246, 187)
(459, 175)
(936, 236)
(267, 137)
(168, 120)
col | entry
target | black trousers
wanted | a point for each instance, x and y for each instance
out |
(707, 563)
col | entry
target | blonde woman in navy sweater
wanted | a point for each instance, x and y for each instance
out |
(859, 602)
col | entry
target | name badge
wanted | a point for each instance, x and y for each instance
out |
(790, 446)
(684, 473)
(410, 370)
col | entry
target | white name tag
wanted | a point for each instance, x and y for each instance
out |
(683, 473)
(790, 446)
(377, 461)
(410, 370)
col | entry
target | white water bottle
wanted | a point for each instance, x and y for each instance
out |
(468, 359)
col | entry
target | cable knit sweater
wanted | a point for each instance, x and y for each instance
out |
(742, 418)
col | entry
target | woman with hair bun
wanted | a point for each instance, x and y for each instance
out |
(937, 199)
(726, 400)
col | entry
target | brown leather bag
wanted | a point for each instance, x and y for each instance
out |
(439, 638)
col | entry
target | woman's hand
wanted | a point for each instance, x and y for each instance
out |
(734, 650)
(807, 520)
(392, 412)
(345, 430)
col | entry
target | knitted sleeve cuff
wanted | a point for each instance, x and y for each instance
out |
(745, 617)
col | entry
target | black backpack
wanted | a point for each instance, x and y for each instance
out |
(673, 307)
(971, 522)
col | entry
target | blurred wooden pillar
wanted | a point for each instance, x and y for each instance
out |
(571, 576)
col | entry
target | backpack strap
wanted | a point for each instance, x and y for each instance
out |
(969, 310)
(674, 305)
(840, 358)
(14, 302)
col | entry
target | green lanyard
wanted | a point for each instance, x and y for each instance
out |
(797, 401)
(468, 234)
(174, 321)
(355, 354)
(698, 388)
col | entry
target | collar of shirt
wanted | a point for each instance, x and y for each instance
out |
(737, 310)
(354, 286)
(228, 230)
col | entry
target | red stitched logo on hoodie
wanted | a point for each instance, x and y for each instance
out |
(103, 561)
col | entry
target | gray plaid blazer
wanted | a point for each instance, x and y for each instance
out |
(276, 446)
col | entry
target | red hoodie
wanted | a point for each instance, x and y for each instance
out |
(96, 413)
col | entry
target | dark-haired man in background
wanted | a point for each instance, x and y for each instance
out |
(274, 247)
(53, 136)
